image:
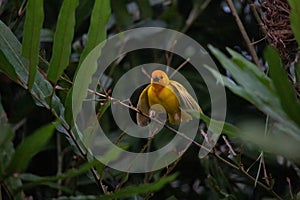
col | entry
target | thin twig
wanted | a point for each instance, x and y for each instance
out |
(7, 191)
(256, 15)
(113, 100)
(198, 8)
(241, 169)
(266, 177)
(169, 55)
(229, 146)
(243, 32)
(180, 66)
(290, 187)
(259, 168)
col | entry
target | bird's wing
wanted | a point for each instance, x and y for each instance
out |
(185, 97)
(143, 107)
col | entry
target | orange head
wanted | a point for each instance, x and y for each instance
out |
(159, 77)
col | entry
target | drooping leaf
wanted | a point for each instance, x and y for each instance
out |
(42, 89)
(97, 30)
(285, 92)
(79, 89)
(31, 36)
(251, 85)
(29, 147)
(62, 40)
(96, 35)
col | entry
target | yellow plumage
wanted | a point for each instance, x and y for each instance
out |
(169, 94)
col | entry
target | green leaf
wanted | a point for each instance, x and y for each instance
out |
(79, 89)
(228, 129)
(133, 190)
(13, 62)
(30, 146)
(6, 145)
(83, 12)
(283, 86)
(252, 70)
(6, 132)
(277, 144)
(7, 68)
(11, 50)
(97, 30)
(253, 86)
(31, 36)
(62, 40)
(295, 18)
(96, 35)
(37, 180)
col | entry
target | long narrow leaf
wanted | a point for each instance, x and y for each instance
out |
(7, 68)
(263, 95)
(295, 18)
(28, 148)
(13, 62)
(62, 40)
(31, 36)
(97, 30)
(284, 88)
(96, 34)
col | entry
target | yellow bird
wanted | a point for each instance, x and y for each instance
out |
(169, 94)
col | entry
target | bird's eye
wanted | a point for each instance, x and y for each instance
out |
(161, 77)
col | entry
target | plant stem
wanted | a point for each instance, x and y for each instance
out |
(243, 32)
(245, 173)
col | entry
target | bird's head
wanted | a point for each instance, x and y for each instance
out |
(159, 77)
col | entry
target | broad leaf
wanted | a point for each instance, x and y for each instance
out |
(253, 86)
(29, 147)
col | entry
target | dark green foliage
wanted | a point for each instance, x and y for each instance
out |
(43, 45)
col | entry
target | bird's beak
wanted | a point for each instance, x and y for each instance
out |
(155, 79)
